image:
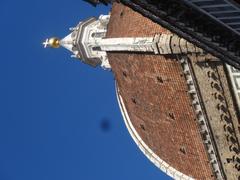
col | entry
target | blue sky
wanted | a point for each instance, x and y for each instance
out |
(53, 107)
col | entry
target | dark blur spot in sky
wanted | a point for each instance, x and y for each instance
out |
(105, 125)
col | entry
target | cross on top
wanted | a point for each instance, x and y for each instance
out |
(46, 43)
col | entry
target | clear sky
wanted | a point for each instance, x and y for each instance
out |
(59, 118)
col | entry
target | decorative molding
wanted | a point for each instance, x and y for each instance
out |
(201, 116)
(226, 118)
(216, 99)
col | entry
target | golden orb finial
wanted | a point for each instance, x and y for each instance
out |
(53, 42)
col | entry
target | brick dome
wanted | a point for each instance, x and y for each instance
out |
(154, 92)
(154, 98)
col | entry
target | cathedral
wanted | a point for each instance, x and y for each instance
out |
(180, 103)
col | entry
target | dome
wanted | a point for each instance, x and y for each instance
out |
(162, 109)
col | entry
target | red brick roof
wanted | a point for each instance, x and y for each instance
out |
(154, 92)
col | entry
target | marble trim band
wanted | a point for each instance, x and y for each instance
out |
(162, 165)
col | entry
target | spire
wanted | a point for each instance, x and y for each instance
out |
(82, 39)
(67, 42)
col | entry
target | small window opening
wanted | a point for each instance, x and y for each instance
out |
(124, 74)
(171, 115)
(142, 126)
(96, 48)
(183, 150)
(121, 14)
(134, 100)
(159, 79)
(98, 34)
